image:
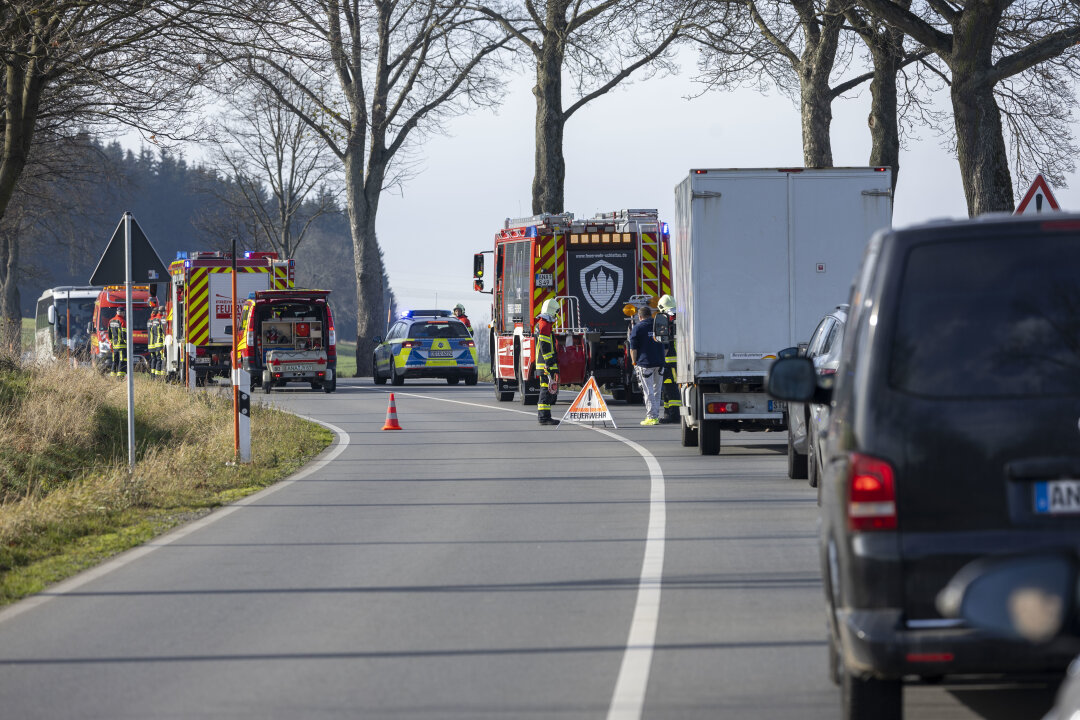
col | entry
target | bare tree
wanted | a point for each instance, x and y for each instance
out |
(379, 75)
(277, 164)
(69, 63)
(994, 46)
(599, 44)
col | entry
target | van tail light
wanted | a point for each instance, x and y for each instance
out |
(826, 372)
(331, 336)
(871, 494)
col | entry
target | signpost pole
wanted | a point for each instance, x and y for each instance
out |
(129, 330)
(233, 371)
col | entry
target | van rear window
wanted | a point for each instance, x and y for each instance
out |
(989, 318)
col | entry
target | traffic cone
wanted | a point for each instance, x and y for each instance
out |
(391, 416)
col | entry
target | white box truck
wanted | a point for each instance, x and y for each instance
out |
(760, 256)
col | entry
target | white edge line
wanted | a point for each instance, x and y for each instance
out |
(130, 556)
(628, 698)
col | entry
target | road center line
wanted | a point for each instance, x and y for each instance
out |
(628, 699)
(130, 556)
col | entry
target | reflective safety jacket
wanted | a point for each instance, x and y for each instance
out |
(546, 358)
(670, 357)
(118, 333)
(465, 320)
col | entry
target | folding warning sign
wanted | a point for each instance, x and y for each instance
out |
(588, 406)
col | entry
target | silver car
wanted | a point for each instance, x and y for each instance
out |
(806, 422)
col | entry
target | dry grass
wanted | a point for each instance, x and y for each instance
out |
(63, 464)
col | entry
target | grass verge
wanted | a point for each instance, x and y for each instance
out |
(67, 501)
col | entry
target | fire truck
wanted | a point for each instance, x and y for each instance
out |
(198, 311)
(109, 300)
(598, 269)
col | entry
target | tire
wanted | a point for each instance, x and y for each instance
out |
(709, 437)
(375, 376)
(834, 661)
(689, 434)
(796, 461)
(331, 386)
(526, 398)
(811, 464)
(452, 379)
(871, 698)
(500, 394)
(396, 379)
(472, 379)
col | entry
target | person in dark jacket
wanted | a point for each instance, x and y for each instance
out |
(648, 357)
(547, 362)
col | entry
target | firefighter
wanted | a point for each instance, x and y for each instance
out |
(547, 362)
(155, 338)
(118, 342)
(670, 391)
(459, 313)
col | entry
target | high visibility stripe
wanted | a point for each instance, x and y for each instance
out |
(198, 307)
(546, 262)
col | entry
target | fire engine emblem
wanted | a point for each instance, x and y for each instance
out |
(602, 283)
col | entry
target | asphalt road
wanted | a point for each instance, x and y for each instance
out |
(472, 565)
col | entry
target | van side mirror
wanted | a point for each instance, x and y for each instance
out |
(90, 328)
(52, 314)
(1028, 596)
(792, 379)
(788, 353)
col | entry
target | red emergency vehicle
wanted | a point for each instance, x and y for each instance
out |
(108, 301)
(594, 268)
(198, 335)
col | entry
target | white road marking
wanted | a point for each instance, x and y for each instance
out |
(134, 554)
(628, 699)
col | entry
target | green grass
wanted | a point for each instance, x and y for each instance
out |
(346, 359)
(27, 334)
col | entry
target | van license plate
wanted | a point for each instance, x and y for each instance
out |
(1057, 497)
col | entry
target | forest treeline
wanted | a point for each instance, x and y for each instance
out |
(181, 207)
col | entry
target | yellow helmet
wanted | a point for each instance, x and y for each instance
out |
(666, 304)
(550, 307)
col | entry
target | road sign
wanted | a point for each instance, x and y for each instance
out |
(1037, 199)
(588, 406)
(146, 266)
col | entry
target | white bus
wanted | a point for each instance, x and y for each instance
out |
(62, 317)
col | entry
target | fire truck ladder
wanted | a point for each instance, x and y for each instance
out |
(649, 268)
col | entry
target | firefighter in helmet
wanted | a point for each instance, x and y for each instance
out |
(547, 362)
(156, 337)
(118, 342)
(670, 391)
(459, 313)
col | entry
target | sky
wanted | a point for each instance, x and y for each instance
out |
(626, 149)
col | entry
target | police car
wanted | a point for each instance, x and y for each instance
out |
(425, 344)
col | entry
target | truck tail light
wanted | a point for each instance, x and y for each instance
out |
(825, 372)
(871, 494)
(200, 351)
(722, 408)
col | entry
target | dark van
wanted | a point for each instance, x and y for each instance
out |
(954, 433)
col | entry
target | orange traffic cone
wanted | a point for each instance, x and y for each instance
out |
(391, 416)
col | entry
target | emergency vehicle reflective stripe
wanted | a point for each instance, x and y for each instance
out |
(649, 285)
(551, 260)
(198, 296)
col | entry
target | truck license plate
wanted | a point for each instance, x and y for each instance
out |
(777, 406)
(441, 353)
(1057, 497)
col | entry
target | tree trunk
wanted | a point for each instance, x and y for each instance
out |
(363, 203)
(884, 119)
(980, 148)
(10, 312)
(550, 172)
(816, 111)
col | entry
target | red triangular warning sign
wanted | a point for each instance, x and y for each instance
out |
(1039, 192)
(588, 406)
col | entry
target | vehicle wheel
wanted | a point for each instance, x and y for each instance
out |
(811, 464)
(709, 437)
(331, 385)
(452, 380)
(375, 376)
(689, 434)
(471, 379)
(526, 398)
(396, 379)
(500, 394)
(315, 385)
(871, 698)
(796, 461)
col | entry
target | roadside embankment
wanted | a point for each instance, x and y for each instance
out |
(67, 501)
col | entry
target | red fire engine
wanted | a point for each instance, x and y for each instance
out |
(594, 268)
